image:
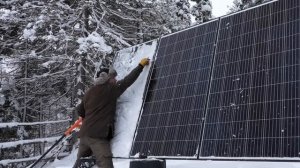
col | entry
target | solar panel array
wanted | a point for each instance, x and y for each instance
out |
(227, 88)
(173, 112)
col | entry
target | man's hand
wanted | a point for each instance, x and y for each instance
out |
(144, 61)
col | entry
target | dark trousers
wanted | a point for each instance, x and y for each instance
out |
(100, 148)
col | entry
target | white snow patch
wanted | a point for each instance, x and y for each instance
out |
(2, 99)
(29, 34)
(16, 143)
(130, 103)
(180, 12)
(7, 161)
(14, 124)
(47, 64)
(228, 164)
(31, 28)
(237, 79)
(206, 7)
(50, 38)
(93, 41)
(119, 163)
(6, 14)
(67, 162)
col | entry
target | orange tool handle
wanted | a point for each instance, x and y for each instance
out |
(75, 125)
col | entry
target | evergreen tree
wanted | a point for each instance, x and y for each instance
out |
(244, 4)
(202, 10)
(119, 24)
(54, 46)
(37, 47)
(174, 15)
(183, 9)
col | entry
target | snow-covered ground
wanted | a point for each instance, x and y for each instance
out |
(120, 163)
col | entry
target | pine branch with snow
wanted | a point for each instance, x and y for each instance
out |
(244, 4)
(202, 10)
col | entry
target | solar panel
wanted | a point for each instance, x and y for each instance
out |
(254, 98)
(172, 118)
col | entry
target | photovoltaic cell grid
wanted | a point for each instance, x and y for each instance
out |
(172, 118)
(254, 99)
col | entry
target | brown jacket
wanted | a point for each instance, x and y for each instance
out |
(98, 106)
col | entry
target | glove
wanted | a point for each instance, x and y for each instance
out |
(144, 61)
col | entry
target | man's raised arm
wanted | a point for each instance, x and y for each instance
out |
(123, 84)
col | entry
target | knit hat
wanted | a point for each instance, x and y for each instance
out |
(104, 75)
(110, 71)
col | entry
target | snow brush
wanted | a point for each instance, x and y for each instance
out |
(68, 132)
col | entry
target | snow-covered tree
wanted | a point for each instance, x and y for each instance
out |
(115, 24)
(183, 9)
(123, 23)
(53, 49)
(38, 50)
(6, 110)
(202, 10)
(43, 52)
(244, 4)
(173, 15)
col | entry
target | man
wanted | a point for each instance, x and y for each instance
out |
(98, 109)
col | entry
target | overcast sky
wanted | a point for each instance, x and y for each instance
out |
(220, 7)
